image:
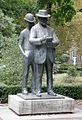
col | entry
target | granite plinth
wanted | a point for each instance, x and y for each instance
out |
(40, 105)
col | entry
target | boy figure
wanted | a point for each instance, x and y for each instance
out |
(27, 51)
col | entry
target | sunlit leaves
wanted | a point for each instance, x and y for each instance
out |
(62, 10)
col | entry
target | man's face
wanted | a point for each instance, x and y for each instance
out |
(43, 21)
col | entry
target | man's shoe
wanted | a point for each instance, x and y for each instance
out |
(38, 94)
(51, 92)
(24, 91)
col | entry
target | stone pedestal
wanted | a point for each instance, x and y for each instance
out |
(30, 104)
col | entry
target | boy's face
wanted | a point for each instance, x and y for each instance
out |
(29, 24)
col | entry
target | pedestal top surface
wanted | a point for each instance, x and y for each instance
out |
(31, 96)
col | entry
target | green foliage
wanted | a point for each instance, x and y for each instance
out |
(11, 59)
(63, 58)
(73, 91)
(62, 10)
(7, 90)
(56, 68)
(71, 74)
(10, 56)
(64, 66)
(61, 68)
(17, 9)
(42, 3)
(72, 71)
(7, 26)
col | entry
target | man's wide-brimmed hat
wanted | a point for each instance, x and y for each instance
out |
(43, 13)
(29, 17)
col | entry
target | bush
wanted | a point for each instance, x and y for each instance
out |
(71, 74)
(11, 58)
(66, 68)
(64, 58)
(6, 90)
(9, 52)
(72, 71)
(73, 91)
(79, 67)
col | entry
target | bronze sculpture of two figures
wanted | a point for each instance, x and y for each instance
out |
(37, 44)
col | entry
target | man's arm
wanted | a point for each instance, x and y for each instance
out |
(33, 38)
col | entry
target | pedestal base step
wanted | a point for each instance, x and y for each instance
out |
(58, 104)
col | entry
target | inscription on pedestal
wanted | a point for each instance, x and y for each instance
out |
(46, 106)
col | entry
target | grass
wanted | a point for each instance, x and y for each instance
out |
(60, 79)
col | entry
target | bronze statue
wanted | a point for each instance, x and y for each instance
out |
(44, 40)
(27, 51)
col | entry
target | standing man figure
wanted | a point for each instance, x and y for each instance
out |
(44, 40)
(27, 51)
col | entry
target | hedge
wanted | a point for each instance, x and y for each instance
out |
(74, 91)
(63, 68)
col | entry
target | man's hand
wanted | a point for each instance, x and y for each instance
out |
(43, 39)
(46, 39)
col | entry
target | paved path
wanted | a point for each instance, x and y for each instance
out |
(7, 114)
